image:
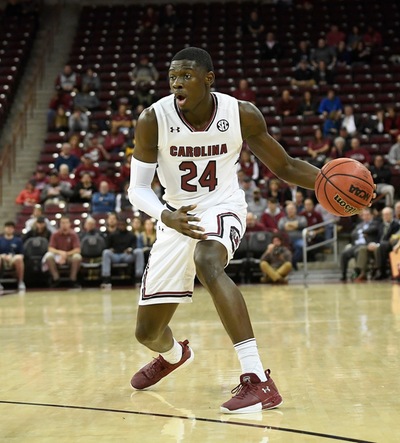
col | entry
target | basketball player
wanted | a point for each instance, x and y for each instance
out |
(193, 137)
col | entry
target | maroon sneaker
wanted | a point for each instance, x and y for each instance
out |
(159, 368)
(253, 395)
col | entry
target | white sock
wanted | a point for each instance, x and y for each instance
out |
(174, 354)
(249, 358)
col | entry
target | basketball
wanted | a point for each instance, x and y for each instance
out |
(344, 187)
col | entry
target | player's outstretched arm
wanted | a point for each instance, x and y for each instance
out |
(270, 152)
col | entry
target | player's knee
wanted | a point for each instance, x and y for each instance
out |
(209, 263)
(146, 334)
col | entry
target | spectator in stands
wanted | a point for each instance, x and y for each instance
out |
(68, 81)
(36, 213)
(40, 178)
(318, 148)
(354, 37)
(323, 75)
(64, 249)
(343, 55)
(330, 103)
(377, 249)
(252, 224)
(125, 169)
(372, 37)
(334, 37)
(149, 20)
(122, 202)
(394, 153)
(91, 80)
(248, 164)
(114, 140)
(168, 17)
(274, 190)
(110, 225)
(248, 186)
(324, 53)
(96, 150)
(289, 193)
(313, 217)
(299, 201)
(122, 119)
(362, 233)
(39, 229)
(144, 73)
(275, 262)
(302, 53)
(89, 228)
(244, 92)
(103, 201)
(382, 176)
(350, 121)
(272, 49)
(143, 98)
(361, 54)
(86, 99)
(392, 122)
(293, 224)
(87, 165)
(303, 75)
(254, 25)
(66, 158)
(11, 254)
(76, 145)
(65, 177)
(375, 124)
(110, 177)
(147, 238)
(55, 192)
(83, 191)
(78, 121)
(121, 248)
(331, 124)
(57, 120)
(338, 148)
(29, 196)
(307, 105)
(286, 105)
(137, 226)
(358, 153)
(258, 204)
(271, 215)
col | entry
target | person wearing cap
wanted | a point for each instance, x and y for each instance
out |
(55, 191)
(275, 263)
(37, 212)
(39, 229)
(11, 254)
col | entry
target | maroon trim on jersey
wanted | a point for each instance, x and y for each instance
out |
(207, 126)
(220, 224)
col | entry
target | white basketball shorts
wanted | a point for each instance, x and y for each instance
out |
(170, 272)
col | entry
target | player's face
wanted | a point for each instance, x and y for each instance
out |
(189, 83)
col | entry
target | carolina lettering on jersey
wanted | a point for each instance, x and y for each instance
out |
(198, 151)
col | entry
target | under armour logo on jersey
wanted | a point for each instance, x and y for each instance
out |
(172, 129)
(222, 125)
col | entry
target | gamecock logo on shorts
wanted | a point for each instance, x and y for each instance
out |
(235, 238)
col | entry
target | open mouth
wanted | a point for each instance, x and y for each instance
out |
(181, 99)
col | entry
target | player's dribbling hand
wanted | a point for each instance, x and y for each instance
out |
(183, 222)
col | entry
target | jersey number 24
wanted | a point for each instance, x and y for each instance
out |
(208, 178)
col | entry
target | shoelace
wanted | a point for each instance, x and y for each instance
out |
(155, 367)
(242, 388)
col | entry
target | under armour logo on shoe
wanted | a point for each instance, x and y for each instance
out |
(265, 390)
(172, 129)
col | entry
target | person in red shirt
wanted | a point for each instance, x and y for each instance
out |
(272, 215)
(318, 148)
(86, 165)
(286, 105)
(28, 196)
(252, 225)
(114, 140)
(358, 153)
(391, 122)
(64, 248)
(313, 217)
(335, 36)
(243, 92)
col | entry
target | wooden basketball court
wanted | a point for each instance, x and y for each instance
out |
(334, 351)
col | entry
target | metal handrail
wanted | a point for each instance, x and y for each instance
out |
(329, 241)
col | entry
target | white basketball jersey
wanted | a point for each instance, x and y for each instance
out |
(199, 167)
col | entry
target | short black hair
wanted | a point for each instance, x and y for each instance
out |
(9, 223)
(198, 55)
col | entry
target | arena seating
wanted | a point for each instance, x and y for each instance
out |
(109, 39)
(17, 33)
